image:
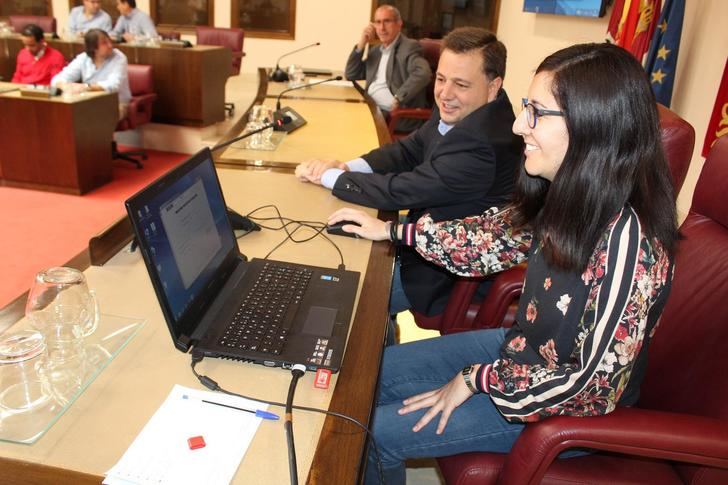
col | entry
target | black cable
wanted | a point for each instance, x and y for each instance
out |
(297, 371)
(214, 386)
(316, 226)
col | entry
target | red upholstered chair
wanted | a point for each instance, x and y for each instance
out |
(678, 432)
(230, 38)
(431, 52)
(18, 22)
(141, 84)
(498, 309)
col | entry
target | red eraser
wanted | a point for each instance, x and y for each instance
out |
(323, 377)
(196, 442)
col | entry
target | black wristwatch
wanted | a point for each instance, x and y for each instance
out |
(466, 377)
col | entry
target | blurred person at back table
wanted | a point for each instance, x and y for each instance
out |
(132, 22)
(37, 62)
(99, 68)
(88, 16)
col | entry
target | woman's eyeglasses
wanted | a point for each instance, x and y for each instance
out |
(533, 113)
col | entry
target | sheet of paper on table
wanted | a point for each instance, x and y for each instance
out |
(161, 454)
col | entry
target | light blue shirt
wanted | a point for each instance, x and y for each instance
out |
(329, 177)
(112, 75)
(136, 23)
(79, 23)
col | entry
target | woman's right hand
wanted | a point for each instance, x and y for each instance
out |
(369, 227)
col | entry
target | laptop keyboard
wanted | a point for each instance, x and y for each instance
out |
(258, 324)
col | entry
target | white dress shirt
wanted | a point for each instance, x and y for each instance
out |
(111, 76)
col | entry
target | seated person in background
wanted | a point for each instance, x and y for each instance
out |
(88, 16)
(594, 214)
(99, 68)
(38, 62)
(132, 22)
(396, 73)
(462, 161)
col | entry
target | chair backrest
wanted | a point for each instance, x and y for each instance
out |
(18, 22)
(230, 38)
(141, 80)
(431, 52)
(678, 140)
(688, 357)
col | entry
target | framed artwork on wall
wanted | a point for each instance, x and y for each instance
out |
(435, 18)
(25, 7)
(182, 15)
(271, 19)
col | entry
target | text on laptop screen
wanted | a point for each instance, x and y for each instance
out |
(185, 228)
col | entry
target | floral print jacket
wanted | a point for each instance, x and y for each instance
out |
(577, 347)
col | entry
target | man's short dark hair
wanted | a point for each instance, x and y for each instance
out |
(91, 41)
(131, 3)
(466, 39)
(32, 30)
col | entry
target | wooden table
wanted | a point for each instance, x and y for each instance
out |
(339, 126)
(60, 144)
(190, 83)
(101, 424)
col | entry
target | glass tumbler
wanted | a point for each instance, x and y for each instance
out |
(61, 306)
(22, 386)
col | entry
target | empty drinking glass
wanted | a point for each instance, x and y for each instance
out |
(61, 306)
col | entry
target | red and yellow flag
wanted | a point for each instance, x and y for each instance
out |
(718, 125)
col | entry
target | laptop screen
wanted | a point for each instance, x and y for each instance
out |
(186, 234)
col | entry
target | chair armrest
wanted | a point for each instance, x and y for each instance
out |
(458, 303)
(633, 431)
(506, 288)
(407, 113)
(140, 109)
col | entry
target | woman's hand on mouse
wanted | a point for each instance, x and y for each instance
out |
(369, 227)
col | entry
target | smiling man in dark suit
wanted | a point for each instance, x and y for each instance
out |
(462, 161)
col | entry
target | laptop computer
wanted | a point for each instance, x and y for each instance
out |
(217, 303)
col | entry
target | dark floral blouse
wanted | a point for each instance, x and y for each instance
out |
(575, 346)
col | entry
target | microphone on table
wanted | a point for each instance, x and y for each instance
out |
(295, 119)
(237, 221)
(278, 100)
(278, 74)
(277, 122)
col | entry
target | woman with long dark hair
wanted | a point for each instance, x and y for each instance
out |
(594, 215)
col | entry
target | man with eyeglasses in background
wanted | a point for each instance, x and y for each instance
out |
(396, 73)
(88, 16)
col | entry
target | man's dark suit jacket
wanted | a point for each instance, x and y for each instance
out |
(460, 174)
(408, 73)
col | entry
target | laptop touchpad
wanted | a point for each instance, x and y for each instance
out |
(320, 321)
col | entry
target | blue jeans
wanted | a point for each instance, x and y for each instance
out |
(416, 367)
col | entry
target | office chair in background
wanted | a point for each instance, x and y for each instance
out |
(230, 38)
(48, 24)
(431, 52)
(141, 84)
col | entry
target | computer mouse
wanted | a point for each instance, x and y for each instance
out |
(336, 229)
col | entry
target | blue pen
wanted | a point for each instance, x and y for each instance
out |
(258, 412)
